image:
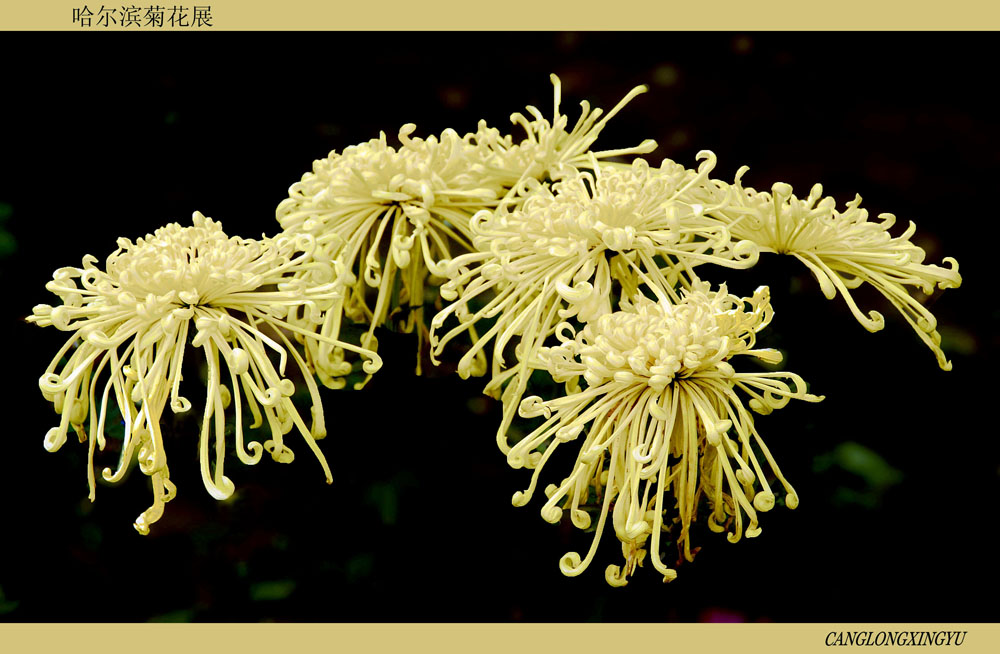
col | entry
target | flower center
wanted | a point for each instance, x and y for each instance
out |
(615, 222)
(183, 266)
(656, 343)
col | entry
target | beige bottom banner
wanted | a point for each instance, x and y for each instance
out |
(507, 638)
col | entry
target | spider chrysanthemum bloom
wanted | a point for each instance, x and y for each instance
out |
(844, 249)
(570, 247)
(660, 424)
(132, 320)
(384, 217)
(550, 149)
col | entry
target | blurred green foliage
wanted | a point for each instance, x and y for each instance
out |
(6, 605)
(7, 243)
(270, 591)
(869, 475)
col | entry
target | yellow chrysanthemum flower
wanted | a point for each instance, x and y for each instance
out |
(133, 320)
(659, 424)
(843, 250)
(550, 150)
(369, 208)
(560, 252)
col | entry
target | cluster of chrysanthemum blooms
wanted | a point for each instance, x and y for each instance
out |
(546, 255)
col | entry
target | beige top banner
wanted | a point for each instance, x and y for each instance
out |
(527, 15)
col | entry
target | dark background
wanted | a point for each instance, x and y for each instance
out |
(897, 470)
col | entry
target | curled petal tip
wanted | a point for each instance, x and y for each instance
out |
(54, 439)
(569, 564)
(614, 576)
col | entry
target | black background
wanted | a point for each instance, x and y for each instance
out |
(115, 135)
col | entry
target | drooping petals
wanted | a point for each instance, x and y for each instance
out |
(568, 249)
(659, 425)
(383, 219)
(133, 324)
(844, 249)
